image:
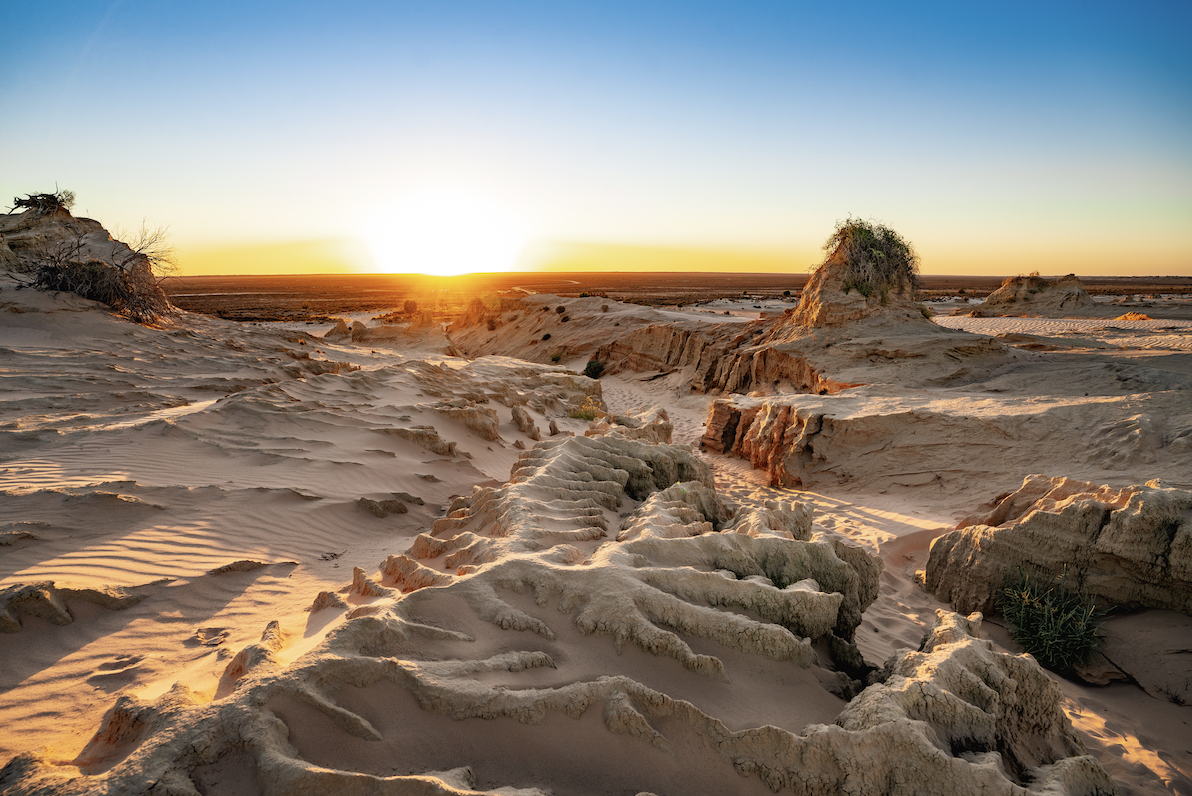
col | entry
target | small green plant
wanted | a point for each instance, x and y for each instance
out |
(585, 411)
(604, 308)
(555, 357)
(1055, 624)
(923, 308)
(594, 368)
(546, 337)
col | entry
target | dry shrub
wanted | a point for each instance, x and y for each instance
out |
(128, 280)
(877, 257)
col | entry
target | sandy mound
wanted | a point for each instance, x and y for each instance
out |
(1023, 295)
(544, 328)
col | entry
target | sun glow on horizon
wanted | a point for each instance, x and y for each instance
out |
(443, 233)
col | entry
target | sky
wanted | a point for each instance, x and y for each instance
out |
(1000, 138)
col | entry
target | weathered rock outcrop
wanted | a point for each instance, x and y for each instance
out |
(53, 250)
(885, 438)
(648, 424)
(417, 330)
(29, 235)
(717, 359)
(1022, 295)
(830, 342)
(533, 329)
(1128, 547)
(828, 300)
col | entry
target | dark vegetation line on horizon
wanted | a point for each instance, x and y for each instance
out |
(319, 297)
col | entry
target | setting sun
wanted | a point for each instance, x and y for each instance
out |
(443, 233)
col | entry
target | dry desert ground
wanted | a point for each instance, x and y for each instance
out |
(388, 557)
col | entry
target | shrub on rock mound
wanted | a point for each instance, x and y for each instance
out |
(877, 257)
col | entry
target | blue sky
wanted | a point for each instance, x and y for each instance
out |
(1000, 138)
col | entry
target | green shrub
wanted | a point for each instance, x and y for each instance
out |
(1053, 623)
(555, 357)
(923, 308)
(876, 256)
(594, 368)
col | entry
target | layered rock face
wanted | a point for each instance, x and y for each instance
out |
(951, 440)
(828, 343)
(722, 359)
(516, 649)
(1128, 547)
(1025, 294)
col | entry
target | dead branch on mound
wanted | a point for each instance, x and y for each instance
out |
(125, 277)
(42, 203)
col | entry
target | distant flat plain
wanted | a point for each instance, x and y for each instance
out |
(319, 296)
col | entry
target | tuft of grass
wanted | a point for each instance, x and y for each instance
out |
(585, 411)
(877, 257)
(594, 368)
(1052, 622)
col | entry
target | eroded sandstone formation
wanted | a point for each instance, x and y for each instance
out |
(517, 609)
(1021, 295)
(1129, 547)
(829, 300)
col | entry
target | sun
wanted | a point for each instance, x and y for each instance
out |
(444, 233)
